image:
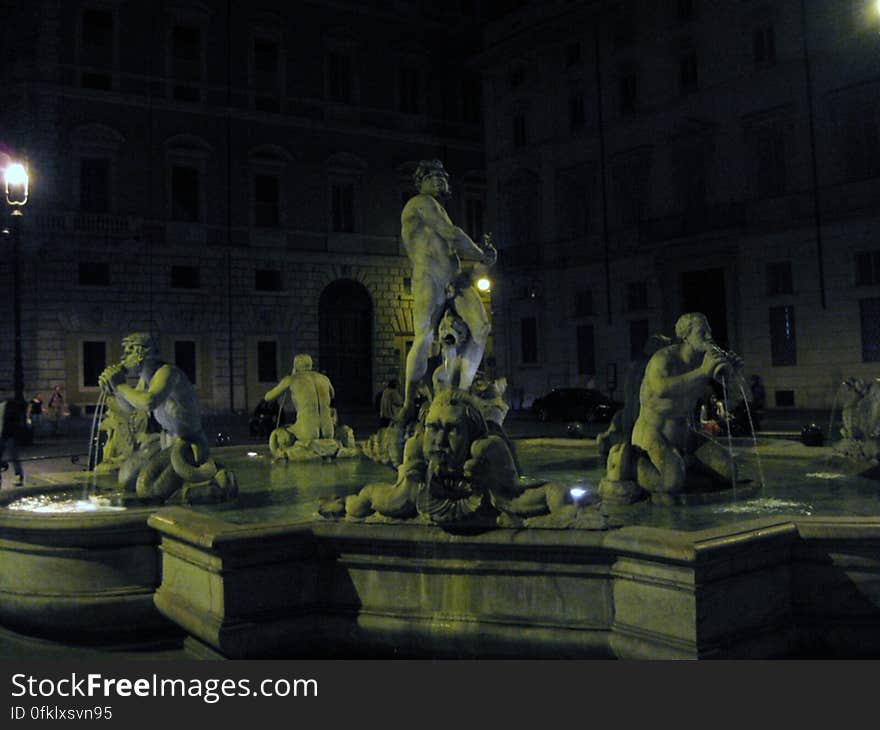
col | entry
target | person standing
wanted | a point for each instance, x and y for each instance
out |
(35, 412)
(56, 409)
(390, 403)
(13, 420)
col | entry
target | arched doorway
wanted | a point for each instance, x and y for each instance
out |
(345, 339)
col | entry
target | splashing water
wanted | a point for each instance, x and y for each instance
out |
(831, 417)
(742, 390)
(729, 435)
(97, 417)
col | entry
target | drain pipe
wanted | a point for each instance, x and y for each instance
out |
(604, 193)
(817, 208)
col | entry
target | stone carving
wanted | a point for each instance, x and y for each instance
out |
(860, 402)
(174, 465)
(124, 431)
(316, 433)
(444, 295)
(664, 455)
(456, 473)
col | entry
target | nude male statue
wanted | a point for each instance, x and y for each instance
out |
(674, 380)
(161, 466)
(435, 247)
(311, 393)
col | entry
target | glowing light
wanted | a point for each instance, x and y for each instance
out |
(577, 492)
(15, 178)
(252, 454)
(15, 174)
(484, 284)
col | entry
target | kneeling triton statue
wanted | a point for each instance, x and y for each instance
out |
(665, 455)
(174, 465)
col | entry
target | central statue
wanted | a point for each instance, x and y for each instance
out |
(440, 287)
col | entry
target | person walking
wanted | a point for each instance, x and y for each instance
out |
(56, 409)
(13, 419)
(35, 413)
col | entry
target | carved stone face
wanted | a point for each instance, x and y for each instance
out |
(447, 438)
(133, 356)
(700, 336)
(436, 184)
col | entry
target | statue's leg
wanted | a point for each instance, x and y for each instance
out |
(661, 469)
(157, 478)
(428, 301)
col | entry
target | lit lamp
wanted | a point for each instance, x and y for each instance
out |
(15, 180)
(483, 284)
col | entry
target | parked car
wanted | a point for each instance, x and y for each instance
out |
(575, 404)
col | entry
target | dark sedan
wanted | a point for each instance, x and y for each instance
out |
(575, 404)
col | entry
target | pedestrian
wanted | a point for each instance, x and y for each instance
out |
(13, 431)
(56, 409)
(35, 412)
(390, 403)
(759, 395)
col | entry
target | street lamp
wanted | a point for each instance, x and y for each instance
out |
(15, 180)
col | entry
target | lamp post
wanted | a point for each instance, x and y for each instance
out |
(15, 180)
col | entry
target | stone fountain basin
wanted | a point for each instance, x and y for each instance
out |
(78, 576)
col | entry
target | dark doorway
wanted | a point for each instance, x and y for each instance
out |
(345, 339)
(703, 291)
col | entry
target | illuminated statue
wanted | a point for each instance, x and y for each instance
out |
(174, 465)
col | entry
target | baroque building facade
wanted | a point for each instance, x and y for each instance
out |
(229, 176)
(650, 157)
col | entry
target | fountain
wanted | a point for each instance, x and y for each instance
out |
(858, 450)
(454, 540)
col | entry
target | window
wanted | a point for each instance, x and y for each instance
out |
(764, 46)
(867, 268)
(268, 280)
(783, 344)
(519, 129)
(770, 160)
(636, 295)
(474, 217)
(97, 48)
(630, 178)
(869, 312)
(862, 143)
(779, 279)
(576, 111)
(517, 76)
(784, 398)
(342, 207)
(185, 358)
(624, 32)
(573, 186)
(339, 76)
(586, 350)
(528, 328)
(409, 90)
(684, 10)
(638, 338)
(687, 71)
(573, 54)
(628, 91)
(94, 184)
(185, 193)
(186, 62)
(94, 360)
(267, 361)
(267, 76)
(583, 303)
(93, 273)
(266, 201)
(185, 277)
(472, 101)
